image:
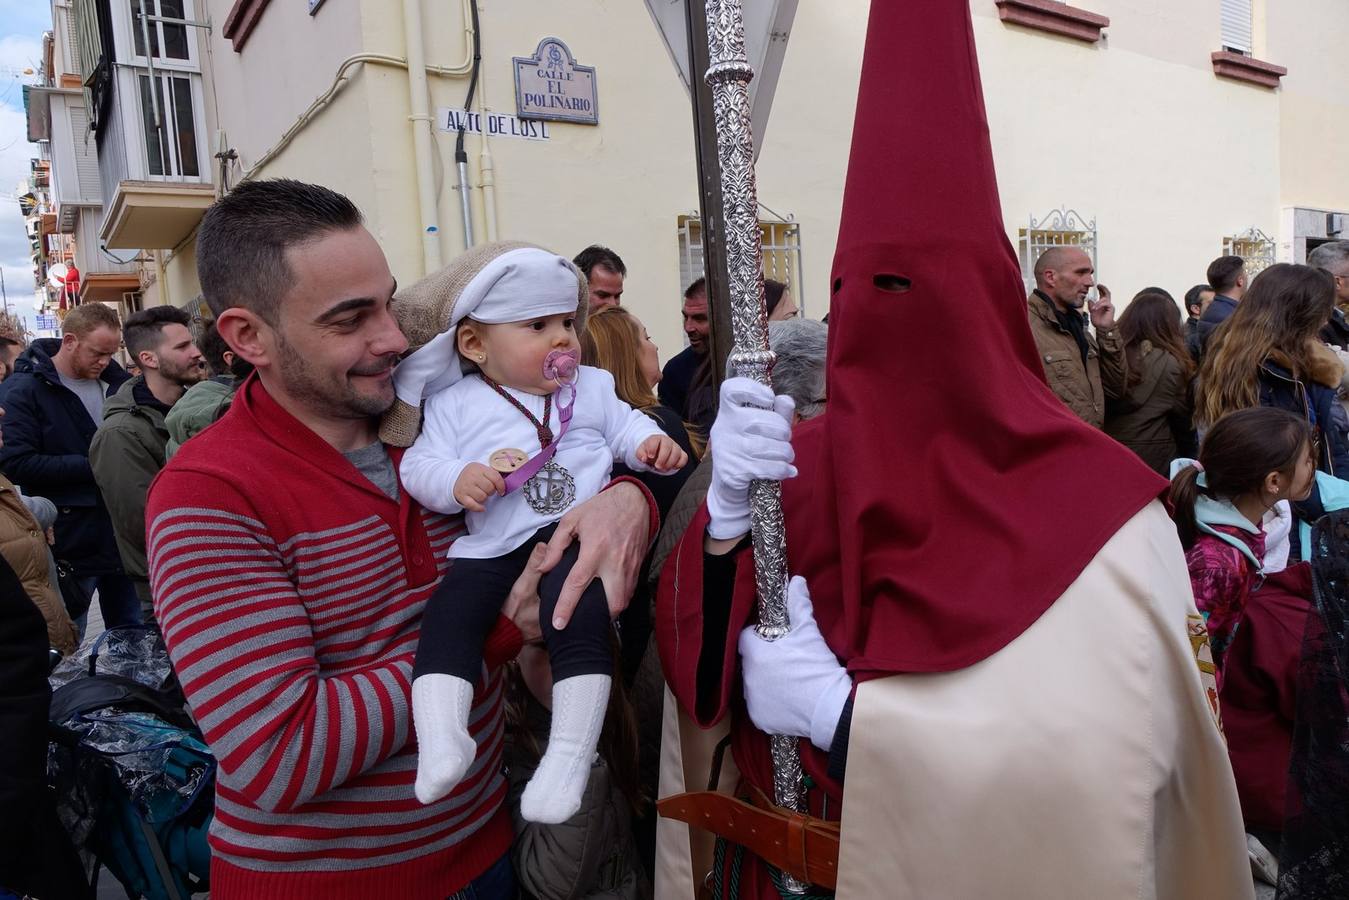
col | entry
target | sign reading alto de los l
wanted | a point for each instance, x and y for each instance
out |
(552, 85)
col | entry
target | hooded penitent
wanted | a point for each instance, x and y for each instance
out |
(947, 497)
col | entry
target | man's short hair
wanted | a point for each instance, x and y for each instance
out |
(699, 286)
(597, 255)
(143, 330)
(1192, 296)
(1224, 271)
(242, 242)
(1332, 256)
(87, 317)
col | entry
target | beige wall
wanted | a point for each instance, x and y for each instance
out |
(1313, 43)
(1135, 131)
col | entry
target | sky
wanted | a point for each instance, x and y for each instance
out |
(22, 23)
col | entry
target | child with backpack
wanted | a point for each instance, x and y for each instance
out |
(1250, 460)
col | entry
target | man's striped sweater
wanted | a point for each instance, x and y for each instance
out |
(290, 590)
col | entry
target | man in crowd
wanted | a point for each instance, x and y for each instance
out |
(1334, 258)
(606, 272)
(53, 403)
(1197, 299)
(128, 450)
(290, 571)
(1227, 278)
(206, 401)
(1083, 369)
(680, 377)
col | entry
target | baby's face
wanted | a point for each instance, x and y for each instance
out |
(515, 351)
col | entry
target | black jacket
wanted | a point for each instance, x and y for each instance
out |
(35, 854)
(1217, 313)
(47, 432)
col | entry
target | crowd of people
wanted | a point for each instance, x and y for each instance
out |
(289, 551)
(457, 581)
(284, 494)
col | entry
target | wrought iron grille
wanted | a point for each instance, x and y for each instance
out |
(781, 239)
(1252, 245)
(1060, 228)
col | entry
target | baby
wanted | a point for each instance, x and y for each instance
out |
(524, 436)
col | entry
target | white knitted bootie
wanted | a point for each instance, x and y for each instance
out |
(553, 795)
(445, 750)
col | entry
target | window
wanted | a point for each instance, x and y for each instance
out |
(168, 41)
(171, 149)
(781, 242)
(1236, 26)
(1061, 228)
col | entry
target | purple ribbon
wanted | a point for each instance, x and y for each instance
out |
(560, 366)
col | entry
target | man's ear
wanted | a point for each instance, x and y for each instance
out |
(68, 341)
(248, 335)
(146, 359)
(469, 341)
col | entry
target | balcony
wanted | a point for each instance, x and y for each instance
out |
(154, 214)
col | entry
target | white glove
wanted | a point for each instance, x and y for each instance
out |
(751, 440)
(795, 685)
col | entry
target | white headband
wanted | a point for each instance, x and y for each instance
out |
(520, 284)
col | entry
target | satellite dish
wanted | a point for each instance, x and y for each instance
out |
(56, 275)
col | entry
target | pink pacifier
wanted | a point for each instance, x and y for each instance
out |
(561, 365)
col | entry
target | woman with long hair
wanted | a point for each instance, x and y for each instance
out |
(1154, 417)
(615, 340)
(1268, 353)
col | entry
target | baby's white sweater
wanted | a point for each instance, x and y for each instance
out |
(469, 421)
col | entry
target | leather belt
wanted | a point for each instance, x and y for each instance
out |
(800, 845)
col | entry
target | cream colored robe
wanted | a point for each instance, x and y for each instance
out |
(1082, 761)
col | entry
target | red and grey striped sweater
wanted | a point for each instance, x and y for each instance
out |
(290, 591)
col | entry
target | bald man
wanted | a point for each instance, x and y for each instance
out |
(1082, 368)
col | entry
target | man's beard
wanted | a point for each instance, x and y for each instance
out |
(186, 376)
(338, 398)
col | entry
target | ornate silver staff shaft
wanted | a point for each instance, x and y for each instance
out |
(729, 74)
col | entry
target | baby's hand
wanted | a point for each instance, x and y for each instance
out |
(476, 483)
(662, 454)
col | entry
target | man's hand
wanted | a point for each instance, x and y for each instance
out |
(612, 529)
(476, 484)
(522, 603)
(1102, 310)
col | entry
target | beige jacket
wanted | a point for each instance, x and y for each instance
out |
(24, 546)
(1083, 388)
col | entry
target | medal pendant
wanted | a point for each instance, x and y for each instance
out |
(551, 491)
(507, 460)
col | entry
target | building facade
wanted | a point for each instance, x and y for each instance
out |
(1157, 134)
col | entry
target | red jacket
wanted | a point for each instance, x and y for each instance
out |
(290, 590)
(1258, 696)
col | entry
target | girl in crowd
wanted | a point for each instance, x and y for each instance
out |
(1153, 418)
(1250, 460)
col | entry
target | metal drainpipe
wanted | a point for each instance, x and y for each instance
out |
(464, 206)
(419, 97)
(154, 85)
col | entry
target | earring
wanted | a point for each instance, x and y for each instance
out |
(482, 357)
